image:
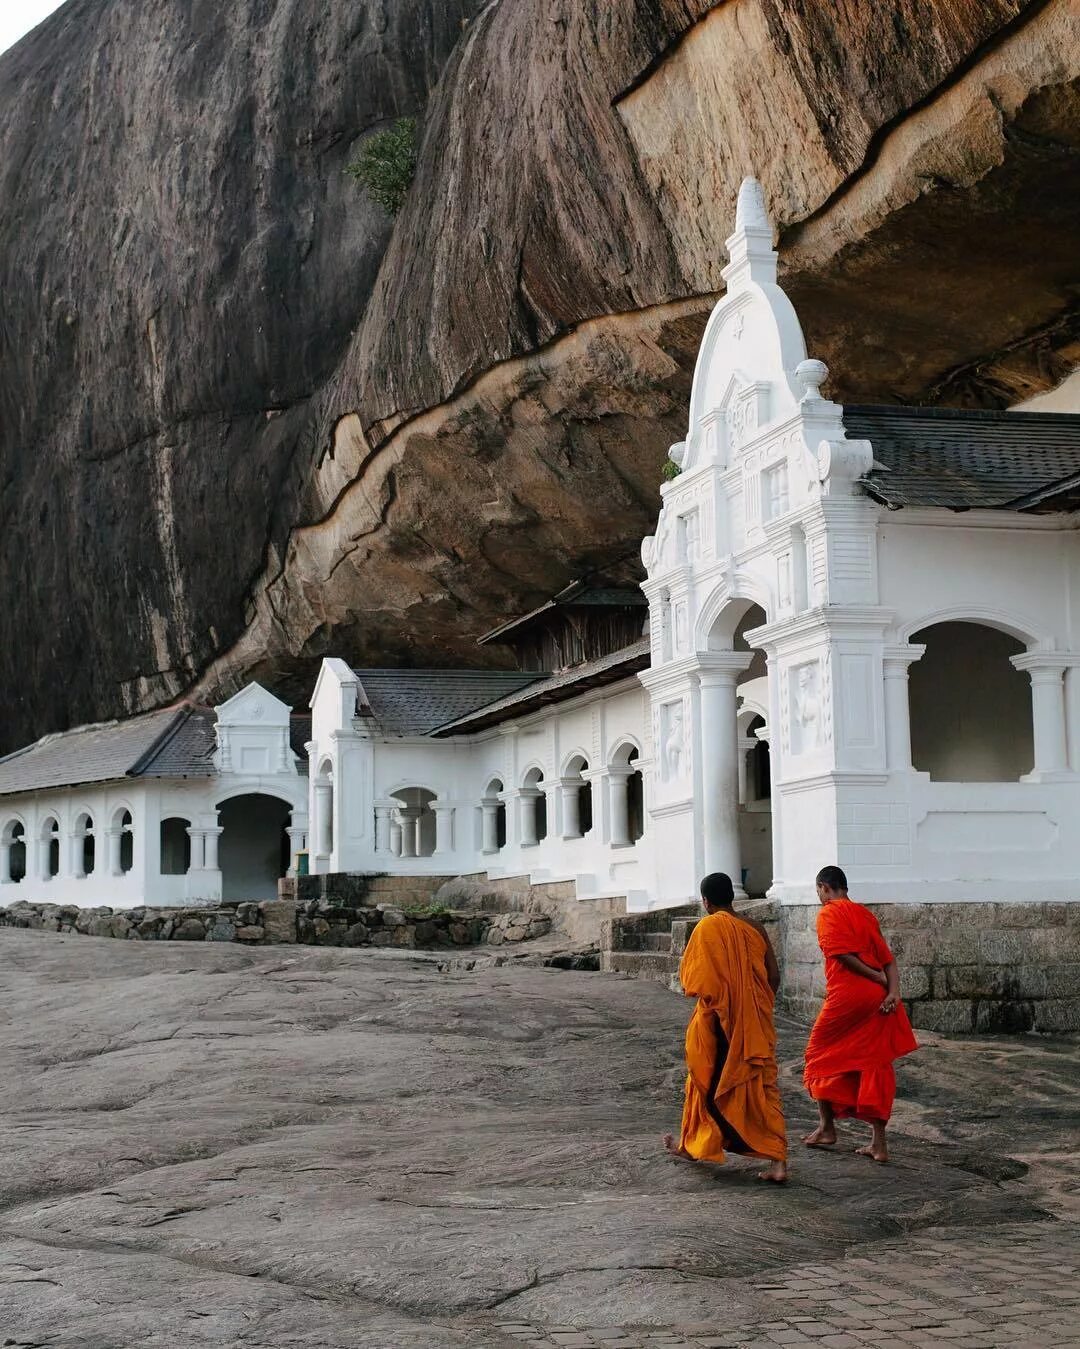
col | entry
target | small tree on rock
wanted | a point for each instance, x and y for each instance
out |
(387, 163)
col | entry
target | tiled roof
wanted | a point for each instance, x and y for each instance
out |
(555, 688)
(177, 742)
(415, 702)
(967, 460)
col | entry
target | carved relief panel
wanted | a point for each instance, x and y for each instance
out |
(674, 752)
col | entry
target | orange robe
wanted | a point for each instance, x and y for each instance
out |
(731, 1098)
(849, 1057)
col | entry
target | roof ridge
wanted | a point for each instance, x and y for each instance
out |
(181, 715)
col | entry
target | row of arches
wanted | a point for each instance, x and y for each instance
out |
(82, 841)
(253, 851)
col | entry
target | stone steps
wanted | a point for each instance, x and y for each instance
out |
(655, 966)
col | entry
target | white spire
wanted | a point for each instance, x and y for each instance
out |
(750, 212)
(750, 246)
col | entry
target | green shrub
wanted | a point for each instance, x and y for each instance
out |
(670, 470)
(387, 163)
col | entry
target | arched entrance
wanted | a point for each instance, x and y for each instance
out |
(253, 849)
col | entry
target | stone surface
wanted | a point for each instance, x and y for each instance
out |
(292, 436)
(964, 967)
(351, 1150)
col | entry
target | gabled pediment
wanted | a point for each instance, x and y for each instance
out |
(253, 706)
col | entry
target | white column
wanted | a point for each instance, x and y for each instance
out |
(115, 836)
(489, 814)
(324, 819)
(1072, 715)
(720, 764)
(746, 744)
(198, 848)
(1046, 671)
(5, 863)
(527, 799)
(210, 848)
(619, 806)
(396, 834)
(43, 845)
(444, 828)
(408, 821)
(77, 852)
(296, 833)
(896, 667)
(1048, 716)
(570, 793)
(383, 822)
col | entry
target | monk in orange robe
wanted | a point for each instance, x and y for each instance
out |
(862, 1026)
(731, 1101)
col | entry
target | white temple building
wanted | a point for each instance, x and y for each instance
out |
(856, 642)
(186, 804)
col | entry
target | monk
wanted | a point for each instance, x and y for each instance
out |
(731, 1100)
(862, 1026)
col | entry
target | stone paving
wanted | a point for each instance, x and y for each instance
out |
(1017, 1287)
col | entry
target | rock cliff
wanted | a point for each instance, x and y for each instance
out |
(246, 418)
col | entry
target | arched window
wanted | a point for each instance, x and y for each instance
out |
(627, 796)
(577, 798)
(123, 822)
(970, 708)
(84, 850)
(493, 818)
(13, 851)
(50, 847)
(758, 772)
(534, 825)
(175, 846)
(416, 821)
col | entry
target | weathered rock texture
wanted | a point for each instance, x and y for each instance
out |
(210, 1145)
(245, 422)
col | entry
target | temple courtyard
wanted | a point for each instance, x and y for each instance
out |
(206, 1145)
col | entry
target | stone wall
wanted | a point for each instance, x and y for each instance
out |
(964, 967)
(315, 922)
(268, 921)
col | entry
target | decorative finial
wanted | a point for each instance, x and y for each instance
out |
(750, 212)
(811, 375)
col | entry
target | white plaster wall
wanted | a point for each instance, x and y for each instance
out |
(150, 800)
(458, 772)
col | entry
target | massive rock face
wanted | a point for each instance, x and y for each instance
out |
(246, 419)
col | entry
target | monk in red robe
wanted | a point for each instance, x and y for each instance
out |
(862, 1026)
(731, 1100)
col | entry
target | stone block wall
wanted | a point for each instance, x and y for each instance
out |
(252, 923)
(313, 922)
(964, 967)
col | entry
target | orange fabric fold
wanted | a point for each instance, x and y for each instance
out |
(731, 1101)
(850, 1053)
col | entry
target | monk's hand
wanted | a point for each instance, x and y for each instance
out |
(891, 1002)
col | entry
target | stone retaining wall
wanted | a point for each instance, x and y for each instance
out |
(254, 922)
(964, 967)
(314, 922)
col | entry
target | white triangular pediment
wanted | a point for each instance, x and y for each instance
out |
(253, 706)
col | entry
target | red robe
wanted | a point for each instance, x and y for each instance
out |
(850, 1053)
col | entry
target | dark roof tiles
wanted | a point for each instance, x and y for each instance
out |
(415, 702)
(175, 742)
(967, 460)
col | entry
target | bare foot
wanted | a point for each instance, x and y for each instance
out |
(673, 1150)
(878, 1154)
(777, 1173)
(824, 1136)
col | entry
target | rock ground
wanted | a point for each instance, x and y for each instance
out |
(208, 1145)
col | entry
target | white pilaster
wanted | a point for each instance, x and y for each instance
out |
(444, 828)
(1046, 672)
(897, 665)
